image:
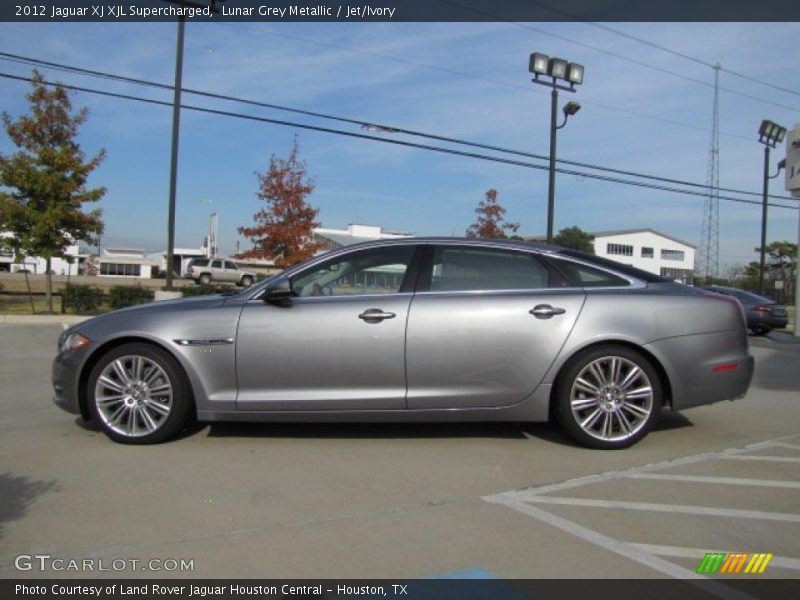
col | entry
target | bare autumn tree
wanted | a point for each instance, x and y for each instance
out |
(283, 229)
(491, 221)
(41, 205)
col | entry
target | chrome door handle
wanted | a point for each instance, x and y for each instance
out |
(545, 311)
(375, 315)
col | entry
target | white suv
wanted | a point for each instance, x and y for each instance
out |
(206, 270)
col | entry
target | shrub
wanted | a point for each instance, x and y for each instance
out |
(120, 296)
(202, 290)
(82, 298)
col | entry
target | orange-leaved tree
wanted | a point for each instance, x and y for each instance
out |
(491, 221)
(283, 230)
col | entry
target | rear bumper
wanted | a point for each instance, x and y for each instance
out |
(706, 368)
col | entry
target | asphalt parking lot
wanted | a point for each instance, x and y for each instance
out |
(399, 501)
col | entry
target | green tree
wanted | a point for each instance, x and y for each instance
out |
(576, 238)
(283, 230)
(780, 264)
(491, 223)
(44, 182)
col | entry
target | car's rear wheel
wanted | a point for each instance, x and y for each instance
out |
(139, 395)
(204, 279)
(608, 397)
(247, 281)
(761, 329)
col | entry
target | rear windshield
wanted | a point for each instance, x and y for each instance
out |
(614, 266)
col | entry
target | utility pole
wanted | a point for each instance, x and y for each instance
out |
(176, 125)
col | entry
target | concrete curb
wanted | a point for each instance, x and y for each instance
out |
(42, 319)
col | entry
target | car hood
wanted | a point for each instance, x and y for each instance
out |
(161, 306)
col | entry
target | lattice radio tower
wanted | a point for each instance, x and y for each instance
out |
(708, 254)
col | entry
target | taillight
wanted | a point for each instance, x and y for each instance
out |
(761, 308)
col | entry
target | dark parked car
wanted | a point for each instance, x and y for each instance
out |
(415, 330)
(763, 315)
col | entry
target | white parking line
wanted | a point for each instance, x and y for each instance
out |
(794, 485)
(698, 554)
(785, 445)
(680, 509)
(649, 554)
(786, 459)
(622, 548)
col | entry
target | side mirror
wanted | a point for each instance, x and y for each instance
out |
(278, 291)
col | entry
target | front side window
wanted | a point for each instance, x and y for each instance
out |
(367, 272)
(457, 269)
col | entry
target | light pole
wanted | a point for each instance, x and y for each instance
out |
(770, 134)
(555, 69)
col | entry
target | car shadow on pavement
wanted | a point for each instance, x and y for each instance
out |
(17, 493)
(368, 430)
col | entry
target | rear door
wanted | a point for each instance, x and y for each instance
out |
(485, 326)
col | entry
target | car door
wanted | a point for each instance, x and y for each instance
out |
(231, 272)
(217, 273)
(338, 343)
(485, 325)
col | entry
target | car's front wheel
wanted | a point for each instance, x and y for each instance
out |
(608, 397)
(138, 394)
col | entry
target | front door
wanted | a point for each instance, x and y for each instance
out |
(339, 344)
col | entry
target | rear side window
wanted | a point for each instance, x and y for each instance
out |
(588, 277)
(199, 262)
(217, 264)
(230, 265)
(458, 269)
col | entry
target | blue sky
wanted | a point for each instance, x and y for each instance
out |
(462, 80)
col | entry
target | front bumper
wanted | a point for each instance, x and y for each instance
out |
(64, 375)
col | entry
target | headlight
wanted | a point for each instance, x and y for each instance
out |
(74, 341)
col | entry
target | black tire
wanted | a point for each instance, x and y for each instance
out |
(610, 407)
(247, 281)
(761, 329)
(146, 413)
(204, 279)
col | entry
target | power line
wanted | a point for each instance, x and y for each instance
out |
(470, 75)
(689, 57)
(404, 143)
(365, 124)
(610, 53)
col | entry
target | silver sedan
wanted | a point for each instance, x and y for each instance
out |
(415, 330)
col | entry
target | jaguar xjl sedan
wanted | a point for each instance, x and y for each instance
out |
(415, 330)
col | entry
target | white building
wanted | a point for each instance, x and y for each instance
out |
(648, 250)
(124, 262)
(331, 239)
(38, 265)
